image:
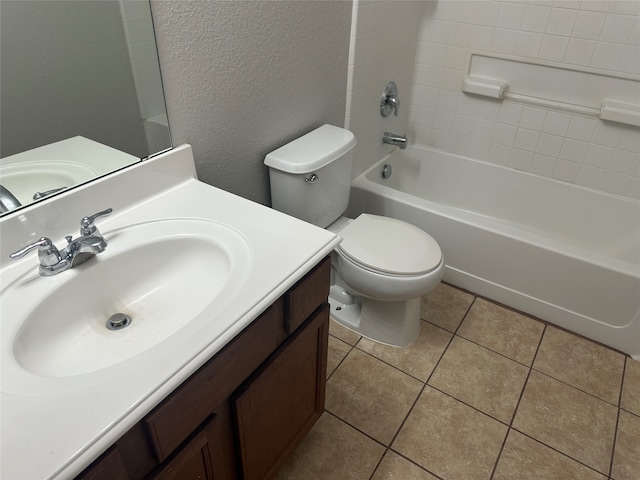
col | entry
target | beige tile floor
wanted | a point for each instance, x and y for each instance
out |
(483, 393)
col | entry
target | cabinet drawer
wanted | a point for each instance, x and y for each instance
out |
(108, 467)
(307, 295)
(171, 422)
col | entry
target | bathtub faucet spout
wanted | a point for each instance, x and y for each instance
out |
(396, 140)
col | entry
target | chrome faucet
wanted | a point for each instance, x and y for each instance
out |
(79, 250)
(396, 140)
(389, 102)
(7, 200)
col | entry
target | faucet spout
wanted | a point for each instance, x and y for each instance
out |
(7, 200)
(83, 248)
(396, 140)
(78, 250)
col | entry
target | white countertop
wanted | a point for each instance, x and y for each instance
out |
(55, 427)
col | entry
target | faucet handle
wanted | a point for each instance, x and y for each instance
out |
(389, 101)
(47, 252)
(86, 224)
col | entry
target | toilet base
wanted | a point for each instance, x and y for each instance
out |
(391, 323)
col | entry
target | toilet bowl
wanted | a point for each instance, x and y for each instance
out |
(383, 266)
(381, 269)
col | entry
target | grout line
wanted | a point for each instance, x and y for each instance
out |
(499, 353)
(615, 434)
(515, 410)
(351, 347)
(558, 451)
(531, 369)
(510, 426)
(424, 386)
(575, 388)
(355, 428)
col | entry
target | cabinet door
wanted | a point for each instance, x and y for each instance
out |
(280, 403)
(194, 460)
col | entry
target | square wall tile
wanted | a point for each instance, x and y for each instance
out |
(510, 15)
(607, 55)
(480, 378)
(566, 170)
(615, 183)
(588, 24)
(579, 51)
(568, 420)
(561, 21)
(616, 28)
(533, 118)
(556, 123)
(535, 18)
(440, 431)
(549, 145)
(553, 48)
(543, 165)
(510, 113)
(581, 128)
(504, 331)
(528, 44)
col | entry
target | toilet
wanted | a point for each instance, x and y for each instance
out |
(383, 266)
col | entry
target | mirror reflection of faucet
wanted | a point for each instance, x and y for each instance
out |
(7, 200)
(79, 250)
(39, 195)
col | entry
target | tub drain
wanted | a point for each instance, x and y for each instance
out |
(118, 321)
(386, 171)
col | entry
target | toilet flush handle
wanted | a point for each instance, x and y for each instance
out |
(311, 178)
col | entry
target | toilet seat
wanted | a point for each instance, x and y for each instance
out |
(389, 246)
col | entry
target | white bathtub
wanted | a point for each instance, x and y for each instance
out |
(563, 253)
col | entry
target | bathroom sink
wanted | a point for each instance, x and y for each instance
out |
(24, 179)
(150, 285)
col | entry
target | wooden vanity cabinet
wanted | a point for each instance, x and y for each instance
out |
(243, 412)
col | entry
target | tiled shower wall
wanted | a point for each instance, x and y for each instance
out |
(599, 36)
(138, 28)
(384, 35)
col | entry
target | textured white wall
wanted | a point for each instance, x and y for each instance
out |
(244, 77)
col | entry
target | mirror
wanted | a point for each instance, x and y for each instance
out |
(80, 94)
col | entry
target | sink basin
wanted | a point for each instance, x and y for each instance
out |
(24, 179)
(161, 275)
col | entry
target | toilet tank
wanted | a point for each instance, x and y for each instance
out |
(311, 176)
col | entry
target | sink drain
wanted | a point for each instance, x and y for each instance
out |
(118, 321)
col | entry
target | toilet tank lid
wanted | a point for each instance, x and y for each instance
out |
(312, 151)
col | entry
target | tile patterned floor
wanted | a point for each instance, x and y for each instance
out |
(483, 393)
